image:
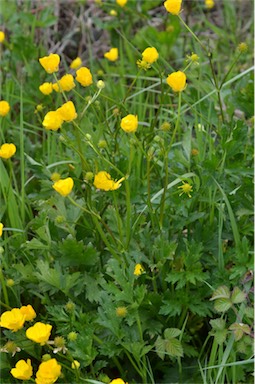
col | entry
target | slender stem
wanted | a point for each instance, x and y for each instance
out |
(2, 280)
(192, 33)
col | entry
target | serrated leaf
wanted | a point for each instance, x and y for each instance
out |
(218, 324)
(160, 347)
(222, 305)
(238, 296)
(239, 329)
(220, 336)
(221, 293)
(174, 347)
(171, 333)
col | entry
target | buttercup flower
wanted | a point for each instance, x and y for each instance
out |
(4, 108)
(129, 123)
(138, 270)
(84, 76)
(46, 88)
(2, 36)
(150, 55)
(209, 4)
(76, 63)
(13, 320)
(50, 63)
(177, 81)
(23, 370)
(39, 333)
(118, 381)
(52, 120)
(104, 181)
(28, 311)
(67, 112)
(186, 188)
(7, 150)
(48, 372)
(1, 229)
(173, 6)
(66, 83)
(64, 186)
(121, 3)
(112, 55)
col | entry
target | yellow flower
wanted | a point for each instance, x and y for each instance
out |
(1, 229)
(10, 282)
(64, 186)
(55, 176)
(121, 311)
(121, 3)
(48, 372)
(67, 111)
(173, 6)
(76, 63)
(186, 188)
(177, 81)
(75, 364)
(112, 55)
(2, 36)
(118, 381)
(13, 320)
(209, 4)
(39, 333)
(242, 47)
(104, 181)
(52, 120)
(23, 370)
(138, 270)
(4, 108)
(66, 83)
(28, 311)
(7, 150)
(143, 64)
(129, 123)
(84, 76)
(46, 88)
(50, 63)
(194, 58)
(150, 55)
(113, 12)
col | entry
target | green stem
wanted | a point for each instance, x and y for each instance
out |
(2, 280)
(192, 33)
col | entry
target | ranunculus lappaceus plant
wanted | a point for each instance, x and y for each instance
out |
(126, 165)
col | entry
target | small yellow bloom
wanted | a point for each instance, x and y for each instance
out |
(1, 229)
(67, 111)
(10, 282)
(28, 311)
(76, 63)
(138, 270)
(64, 186)
(4, 108)
(129, 123)
(186, 188)
(84, 76)
(177, 81)
(150, 55)
(113, 12)
(112, 55)
(46, 88)
(104, 181)
(209, 4)
(65, 84)
(75, 364)
(52, 120)
(55, 176)
(13, 320)
(121, 3)
(242, 47)
(39, 333)
(100, 84)
(173, 6)
(143, 65)
(118, 381)
(165, 126)
(48, 372)
(194, 58)
(121, 311)
(7, 150)
(50, 63)
(23, 370)
(39, 108)
(2, 36)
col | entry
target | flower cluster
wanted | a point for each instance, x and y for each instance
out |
(104, 181)
(15, 319)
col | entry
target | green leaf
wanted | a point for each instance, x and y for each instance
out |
(220, 336)
(222, 305)
(238, 296)
(239, 329)
(160, 347)
(171, 332)
(174, 347)
(221, 292)
(218, 324)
